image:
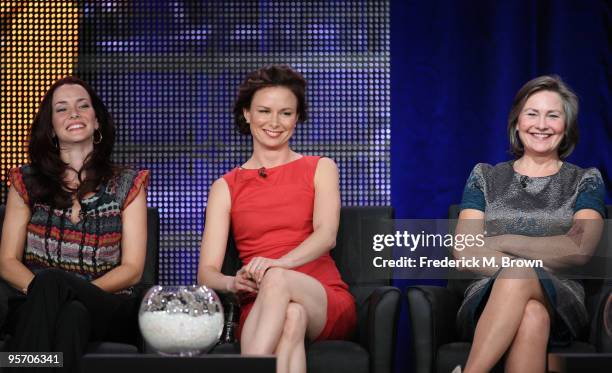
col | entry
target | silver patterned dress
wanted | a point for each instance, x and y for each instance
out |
(532, 206)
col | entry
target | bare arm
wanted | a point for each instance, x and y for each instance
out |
(573, 248)
(133, 247)
(14, 231)
(325, 220)
(471, 221)
(556, 252)
(214, 242)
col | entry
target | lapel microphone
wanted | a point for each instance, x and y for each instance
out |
(524, 180)
(262, 172)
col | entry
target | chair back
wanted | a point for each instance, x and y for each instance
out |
(597, 290)
(150, 274)
(231, 261)
(353, 253)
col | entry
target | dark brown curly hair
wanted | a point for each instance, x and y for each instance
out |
(48, 169)
(269, 76)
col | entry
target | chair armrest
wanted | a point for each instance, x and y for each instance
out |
(231, 317)
(433, 311)
(383, 311)
(603, 341)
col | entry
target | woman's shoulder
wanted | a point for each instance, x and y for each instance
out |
(584, 178)
(484, 170)
(589, 185)
(23, 169)
(230, 173)
(313, 165)
(323, 165)
(315, 161)
(576, 177)
(229, 177)
(593, 174)
(126, 184)
(582, 173)
(129, 175)
(314, 158)
(21, 179)
(485, 175)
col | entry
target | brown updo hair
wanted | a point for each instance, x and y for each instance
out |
(269, 76)
(552, 83)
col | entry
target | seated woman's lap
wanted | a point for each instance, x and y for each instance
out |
(113, 317)
(514, 286)
(302, 289)
(521, 282)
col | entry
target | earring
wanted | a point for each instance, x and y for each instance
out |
(99, 140)
(54, 140)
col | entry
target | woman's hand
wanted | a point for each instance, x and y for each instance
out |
(257, 267)
(243, 283)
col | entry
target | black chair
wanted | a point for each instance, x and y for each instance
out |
(149, 277)
(433, 311)
(373, 347)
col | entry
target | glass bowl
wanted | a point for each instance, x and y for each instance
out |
(181, 320)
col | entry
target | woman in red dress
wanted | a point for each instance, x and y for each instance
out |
(283, 209)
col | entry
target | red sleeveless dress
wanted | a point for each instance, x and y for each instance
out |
(272, 215)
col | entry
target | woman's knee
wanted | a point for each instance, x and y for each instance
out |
(274, 282)
(536, 313)
(535, 323)
(517, 273)
(74, 313)
(516, 283)
(296, 321)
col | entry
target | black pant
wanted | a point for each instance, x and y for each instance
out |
(63, 312)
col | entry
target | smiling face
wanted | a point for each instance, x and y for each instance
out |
(73, 116)
(272, 116)
(541, 124)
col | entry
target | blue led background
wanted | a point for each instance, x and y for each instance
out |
(456, 66)
(168, 71)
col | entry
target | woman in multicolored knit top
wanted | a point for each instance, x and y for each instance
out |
(74, 236)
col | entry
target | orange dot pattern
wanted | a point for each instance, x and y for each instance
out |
(38, 45)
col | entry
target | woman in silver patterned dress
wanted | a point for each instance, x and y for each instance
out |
(535, 207)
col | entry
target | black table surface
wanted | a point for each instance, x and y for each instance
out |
(150, 363)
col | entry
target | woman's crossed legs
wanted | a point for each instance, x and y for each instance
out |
(515, 322)
(289, 307)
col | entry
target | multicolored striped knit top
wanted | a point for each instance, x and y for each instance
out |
(92, 246)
